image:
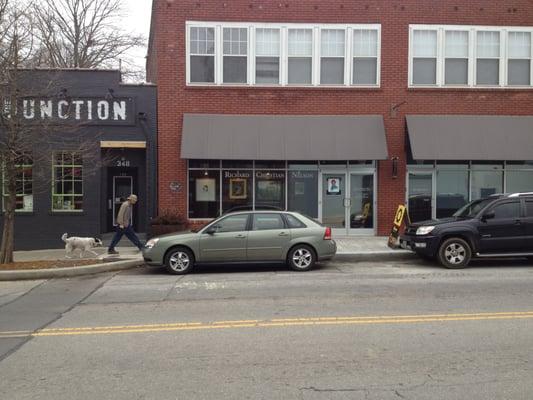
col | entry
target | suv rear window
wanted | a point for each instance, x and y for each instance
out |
(529, 208)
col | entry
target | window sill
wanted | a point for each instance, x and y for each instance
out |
(67, 213)
(471, 88)
(279, 87)
(20, 213)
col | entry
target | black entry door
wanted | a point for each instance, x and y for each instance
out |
(121, 183)
(506, 232)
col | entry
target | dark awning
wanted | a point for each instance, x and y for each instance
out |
(276, 137)
(470, 137)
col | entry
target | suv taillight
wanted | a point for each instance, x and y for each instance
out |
(327, 234)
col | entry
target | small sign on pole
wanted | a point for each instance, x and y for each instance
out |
(401, 214)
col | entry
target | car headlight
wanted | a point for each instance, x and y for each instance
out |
(151, 243)
(424, 230)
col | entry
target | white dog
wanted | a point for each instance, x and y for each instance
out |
(84, 244)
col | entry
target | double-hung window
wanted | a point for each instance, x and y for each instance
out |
(424, 63)
(456, 57)
(519, 59)
(202, 55)
(67, 181)
(268, 52)
(488, 58)
(365, 56)
(23, 182)
(332, 56)
(300, 57)
(235, 54)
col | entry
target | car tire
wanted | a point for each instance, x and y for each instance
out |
(301, 258)
(179, 261)
(454, 253)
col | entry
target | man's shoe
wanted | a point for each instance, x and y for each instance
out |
(113, 251)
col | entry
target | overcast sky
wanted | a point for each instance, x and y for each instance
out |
(138, 20)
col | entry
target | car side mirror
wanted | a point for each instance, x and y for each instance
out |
(211, 230)
(488, 215)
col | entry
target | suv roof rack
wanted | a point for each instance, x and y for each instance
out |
(521, 194)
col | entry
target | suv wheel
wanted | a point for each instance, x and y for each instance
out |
(455, 253)
(179, 261)
(301, 258)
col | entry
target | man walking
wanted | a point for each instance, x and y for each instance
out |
(124, 226)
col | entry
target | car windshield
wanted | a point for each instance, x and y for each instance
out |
(473, 208)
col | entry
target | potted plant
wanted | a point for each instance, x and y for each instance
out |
(168, 221)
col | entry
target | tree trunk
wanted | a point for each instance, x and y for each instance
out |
(8, 233)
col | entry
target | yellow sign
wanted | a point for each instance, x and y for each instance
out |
(398, 221)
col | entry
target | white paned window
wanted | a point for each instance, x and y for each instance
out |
(471, 56)
(424, 57)
(365, 57)
(456, 58)
(235, 55)
(519, 59)
(300, 57)
(267, 51)
(24, 184)
(488, 58)
(202, 54)
(332, 52)
(284, 54)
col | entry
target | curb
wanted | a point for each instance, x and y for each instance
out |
(70, 271)
(376, 256)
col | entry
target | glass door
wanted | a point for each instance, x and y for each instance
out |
(361, 203)
(420, 197)
(334, 201)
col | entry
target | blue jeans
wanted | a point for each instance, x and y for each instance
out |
(130, 234)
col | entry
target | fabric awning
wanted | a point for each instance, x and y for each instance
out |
(470, 137)
(277, 137)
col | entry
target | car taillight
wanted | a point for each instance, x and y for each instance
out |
(327, 234)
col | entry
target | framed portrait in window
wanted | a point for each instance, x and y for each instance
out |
(238, 189)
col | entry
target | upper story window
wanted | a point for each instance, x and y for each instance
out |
(470, 56)
(300, 57)
(202, 55)
(283, 54)
(235, 54)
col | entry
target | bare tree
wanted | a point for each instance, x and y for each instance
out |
(23, 138)
(84, 34)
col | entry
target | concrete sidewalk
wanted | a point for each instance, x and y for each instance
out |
(348, 247)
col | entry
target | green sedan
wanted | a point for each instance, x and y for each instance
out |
(253, 236)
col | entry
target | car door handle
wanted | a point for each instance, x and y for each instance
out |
(283, 234)
(241, 236)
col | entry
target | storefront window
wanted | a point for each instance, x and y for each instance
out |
(204, 164)
(303, 190)
(24, 184)
(452, 189)
(237, 164)
(204, 194)
(270, 189)
(519, 181)
(67, 185)
(487, 179)
(237, 190)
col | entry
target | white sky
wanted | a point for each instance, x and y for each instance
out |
(137, 19)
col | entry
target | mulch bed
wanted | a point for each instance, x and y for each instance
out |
(48, 264)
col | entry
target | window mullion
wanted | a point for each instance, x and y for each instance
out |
(348, 56)
(219, 56)
(252, 45)
(284, 51)
(317, 37)
(471, 57)
(504, 54)
(439, 81)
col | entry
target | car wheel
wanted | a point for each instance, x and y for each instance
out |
(179, 261)
(455, 253)
(301, 258)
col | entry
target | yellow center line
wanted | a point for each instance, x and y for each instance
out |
(286, 322)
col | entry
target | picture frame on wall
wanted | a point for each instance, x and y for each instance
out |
(334, 186)
(206, 189)
(238, 189)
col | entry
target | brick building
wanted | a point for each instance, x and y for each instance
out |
(341, 109)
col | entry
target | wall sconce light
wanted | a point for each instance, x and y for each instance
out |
(395, 167)
(110, 94)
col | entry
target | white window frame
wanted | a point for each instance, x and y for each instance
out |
(284, 45)
(472, 55)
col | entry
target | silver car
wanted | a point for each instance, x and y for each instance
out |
(252, 236)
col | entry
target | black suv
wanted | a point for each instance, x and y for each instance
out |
(497, 226)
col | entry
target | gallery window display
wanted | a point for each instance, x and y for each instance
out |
(204, 193)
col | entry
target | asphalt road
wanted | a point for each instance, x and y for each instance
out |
(396, 330)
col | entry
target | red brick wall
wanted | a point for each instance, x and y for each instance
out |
(175, 99)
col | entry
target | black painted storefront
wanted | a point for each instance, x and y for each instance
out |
(124, 154)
